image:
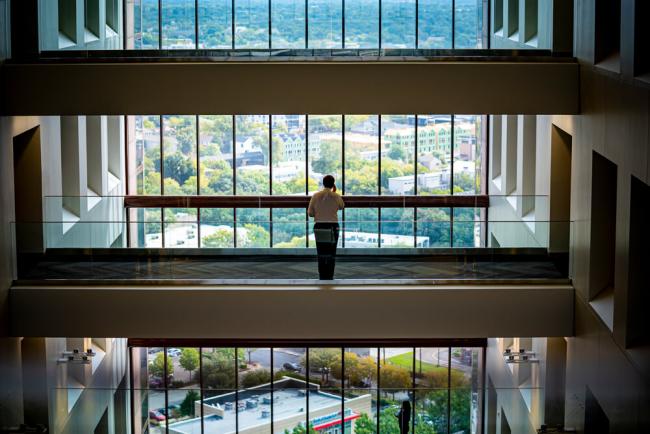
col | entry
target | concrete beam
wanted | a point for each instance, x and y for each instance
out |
(294, 312)
(277, 87)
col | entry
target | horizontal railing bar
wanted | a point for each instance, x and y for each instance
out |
(473, 201)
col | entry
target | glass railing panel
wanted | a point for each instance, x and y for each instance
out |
(287, 230)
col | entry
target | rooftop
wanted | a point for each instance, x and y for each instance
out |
(290, 401)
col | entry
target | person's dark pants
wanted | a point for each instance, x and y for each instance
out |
(327, 252)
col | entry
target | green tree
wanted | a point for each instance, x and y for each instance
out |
(189, 360)
(388, 422)
(179, 167)
(255, 378)
(255, 236)
(324, 360)
(329, 158)
(394, 377)
(396, 152)
(221, 238)
(187, 406)
(300, 429)
(157, 365)
(219, 368)
(365, 425)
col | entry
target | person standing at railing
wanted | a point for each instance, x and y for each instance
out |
(323, 207)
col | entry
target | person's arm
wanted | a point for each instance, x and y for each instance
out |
(339, 199)
(310, 210)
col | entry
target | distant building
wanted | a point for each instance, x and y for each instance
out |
(431, 137)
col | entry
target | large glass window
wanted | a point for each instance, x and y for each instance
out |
(435, 24)
(288, 24)
(217, 227)
(397, 155)
(325, 23)
(398, 24)
(361, 154)
(178, 21)
(289, 153)
(147, 223)
(468, 154)
(289, 228)
(434, 154)
(251, 24)
(397, 227)
(147, 155)
(362, 23)
(325, 149)
(329, 389)
(253, 227)
(469, 24)
(146, 26)
(361, 228)
(216, 155)
(215, 24)
(181, 227)
(252, 154)
(467, 227)
(369, 155)
(314, 24)
(179, 155)
(433, 227)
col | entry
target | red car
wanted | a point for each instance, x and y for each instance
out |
(156, 415)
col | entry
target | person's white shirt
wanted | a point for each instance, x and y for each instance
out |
(324, 205)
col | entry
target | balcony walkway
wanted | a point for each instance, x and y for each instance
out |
(242, 266)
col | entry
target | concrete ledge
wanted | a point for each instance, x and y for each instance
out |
(316, 311)
(291, 87)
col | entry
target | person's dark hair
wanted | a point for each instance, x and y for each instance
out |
(406, 406)
(328, 181)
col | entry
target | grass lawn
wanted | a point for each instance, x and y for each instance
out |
(406, 361)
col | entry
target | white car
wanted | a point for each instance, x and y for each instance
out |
(173, 352)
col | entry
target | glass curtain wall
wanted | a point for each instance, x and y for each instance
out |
(307, 24)
(329, 389)
(387, 155)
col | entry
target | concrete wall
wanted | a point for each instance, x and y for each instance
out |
(62, 26)
(11, 397)
(366, 312)
(350, 87)
(615, 104)
(29, 372)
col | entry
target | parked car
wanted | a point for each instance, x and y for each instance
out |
(156, 415)
(173, 352)
(290, 366)
(172, 407)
